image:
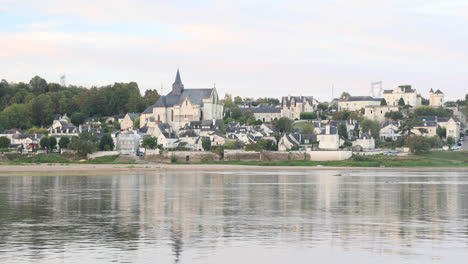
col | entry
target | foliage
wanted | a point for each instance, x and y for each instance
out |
(236, 113)
(450, 141)
(322, 106)
(206, 143)
(63, 142)
(233, 144)
(284, 124)
(343, 131)
(345, 95)
(267, 100)
(106, 143)
(347, 115)
(84, 144)
(23, 105)
(227, 101)
(424, 101)
(407, 125)
(308, 115)
(307, 128)
(4, 142)
(37, 130)
(394, 115)
(44, 158)
(401, 102)
(433, 111)
(247, 117)
(262, 144)
(418, 144)
(136, 123)
(78, 118)
(383, 102)
(149, 142)
(371, 127)
(441, 131)
(48, 143)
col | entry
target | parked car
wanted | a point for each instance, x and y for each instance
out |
(391, 153)
(455, 147)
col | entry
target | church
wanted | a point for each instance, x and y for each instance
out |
(181, 106)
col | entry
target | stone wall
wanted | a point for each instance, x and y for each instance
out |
(101, 154)
(330, 155)
(181, 156)
(241, 155)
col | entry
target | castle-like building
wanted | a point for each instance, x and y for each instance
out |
(181, 106)
(405, 92)
(436, 98)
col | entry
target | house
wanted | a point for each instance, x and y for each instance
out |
(356, 103)
(120, 118)
(296, 140)
(29, 142)
(266, 114)
(365, 141)
(93, 121)
(293, 106)
(166, 136)
(390, 131)
(181, 106)
(405, 92)
(436, 99)
(62, 126)
(377, 112)
(128, 120)
(429, 124)
(128, 142)
(329, 139)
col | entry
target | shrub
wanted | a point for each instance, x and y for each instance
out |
(308, 115)
(4, 142)
(360, 158)
(418, 144)
(173, 158)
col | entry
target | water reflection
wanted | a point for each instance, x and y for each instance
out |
(235, 217)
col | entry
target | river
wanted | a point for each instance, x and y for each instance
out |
(353, 216)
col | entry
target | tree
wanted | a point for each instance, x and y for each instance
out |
(441, 132)
(371, 127)
(401, 102)
(52, 143)
(308, 128)
(136, 123)
(308, 115)
(42, 112)
(149, 142)
(16, 116)
(4, 142)
(383, 102)
(236, 113)
(248, 117)
(37, 130)
(284, 124)
(345, 95)
(407, 125)
(394, 115)
(322, 106)
(433, 111)
(78, 118)
(424, 101)
(106, 143)
(151, 96)
(44, 142)
(38, 85)
(227, 101)
(418, 144)
(84, 144)
(206, 143)
(63, 142)
(237, 100)
(450, 141)
(343, 131)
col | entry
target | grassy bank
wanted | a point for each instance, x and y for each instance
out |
(59, 159)
(432, 159)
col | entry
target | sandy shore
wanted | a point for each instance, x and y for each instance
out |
(100, 168)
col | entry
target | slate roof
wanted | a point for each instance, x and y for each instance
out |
(361, 98)
(287, 100)
(262, 109)
(148, 110)
(195, 96)
(188, 133)
(133, 116)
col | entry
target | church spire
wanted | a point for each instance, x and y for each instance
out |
(177, 86)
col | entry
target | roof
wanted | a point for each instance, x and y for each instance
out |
(133, 116)
(439, 92)
(262, 109)
(365, 136)
(148, 110)
(361, 98)
(286, 100)
(195, 96)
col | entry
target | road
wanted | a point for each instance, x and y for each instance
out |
(464, 146)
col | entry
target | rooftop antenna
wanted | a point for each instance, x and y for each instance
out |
(162, 88)
(63, 80)
(376, 89)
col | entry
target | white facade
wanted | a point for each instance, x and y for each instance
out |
(377, 112)
(392, 97)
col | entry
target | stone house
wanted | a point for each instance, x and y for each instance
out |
(128, 120)
(389, 131)
(293, 106)
(365, 141)
(409, 95)
(356, 103)
(436, 99)
(377, 112)
(128, 142)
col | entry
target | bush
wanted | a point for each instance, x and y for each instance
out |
(4, 142)
(173, 158)
(149, 142)
(308, 115)
(433, 111)
(450, 141)
(44, 158)
(360, 158)
(418, 144)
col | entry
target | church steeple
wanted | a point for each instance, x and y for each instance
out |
(177, 86)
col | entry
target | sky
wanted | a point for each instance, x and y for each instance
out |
(251, 48)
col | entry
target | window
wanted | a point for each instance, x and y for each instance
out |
(172, 115)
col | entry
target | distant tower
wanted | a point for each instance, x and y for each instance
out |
(177, 86)
(436, 98)
(376, 89)
(63, 80)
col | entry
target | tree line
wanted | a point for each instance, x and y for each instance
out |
(24, 105)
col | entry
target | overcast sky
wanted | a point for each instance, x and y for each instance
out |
(250, 48)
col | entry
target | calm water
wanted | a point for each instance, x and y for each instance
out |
(236, 217)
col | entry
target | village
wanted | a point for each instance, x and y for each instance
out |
(196, 121)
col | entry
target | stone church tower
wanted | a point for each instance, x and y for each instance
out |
(177, 86)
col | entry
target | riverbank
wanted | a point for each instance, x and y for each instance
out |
(97, 169)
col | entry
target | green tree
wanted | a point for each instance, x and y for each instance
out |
(394, 115)
(237, 100)
(149, 142)
(37, 130)
(345, 95)
(106, 143)
(308, 115)
(308, 128)
(44, 143)
(206, 143)
(227, 101)
(4, 142)
(52, 142)
(16, 116)
(136, 123)
(322, 106)
(63, 142)
(284, 124)
(450, 141)
(401, 102)
(42, 110)
(78, 118)
(248, 117)
(38, 85)
(424, 101)
(418, 144)
(236, 113)
(151, 96)
(371, 127)
(84, 143)
(343, 131)
(433, 111)
(383, 102)
(441, 132)
(407, 125)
